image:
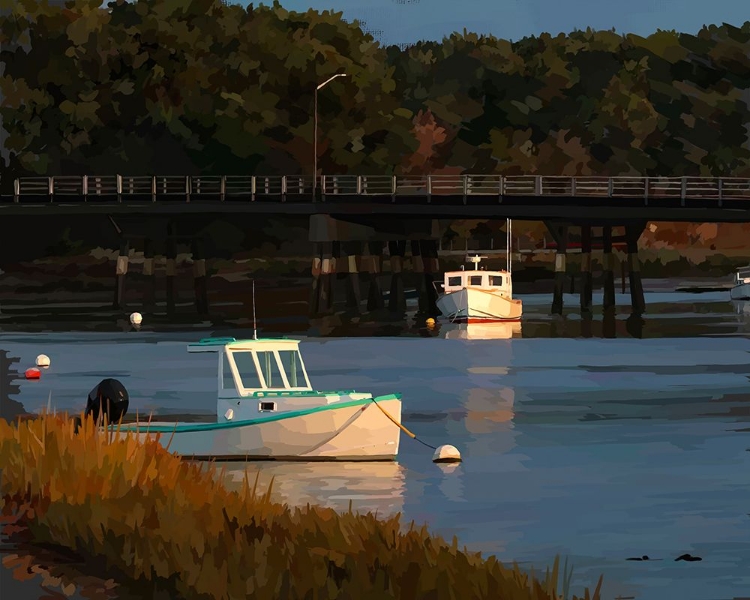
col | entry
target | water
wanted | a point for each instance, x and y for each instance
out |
(595, 448)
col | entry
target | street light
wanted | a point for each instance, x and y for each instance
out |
(315, 130)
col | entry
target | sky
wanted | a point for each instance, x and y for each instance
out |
(407, 21)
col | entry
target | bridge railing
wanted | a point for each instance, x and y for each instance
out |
(300, 187)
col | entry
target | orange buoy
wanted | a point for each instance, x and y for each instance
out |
(33, 373)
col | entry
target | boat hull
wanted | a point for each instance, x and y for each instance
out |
(471, 305)
(740, 292)
(353, 431)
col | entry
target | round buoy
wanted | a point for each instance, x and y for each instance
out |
(136, 318)
(430, 322)
(33, 373)
(446, 454)
(42, 361)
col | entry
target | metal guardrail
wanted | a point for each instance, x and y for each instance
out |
(300, 187)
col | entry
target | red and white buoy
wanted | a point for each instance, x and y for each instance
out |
(33, 373)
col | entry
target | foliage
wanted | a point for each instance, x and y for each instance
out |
(198, 86)
(174, 525)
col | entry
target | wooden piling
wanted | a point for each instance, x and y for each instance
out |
(560, 267)
(373, 261)
(313, 304)
(200, 279)
(149, 298)
(171, 256)
(417, 266)
(397, 299)
(353, 294)
(586, 284)
(431, 268)
(121, 269)
(609, 274)
(325, 287)
(633, 232)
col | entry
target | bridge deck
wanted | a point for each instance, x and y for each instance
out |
(522, 196)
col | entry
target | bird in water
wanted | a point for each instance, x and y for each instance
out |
(688, 558)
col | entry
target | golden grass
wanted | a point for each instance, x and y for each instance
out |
(171, 525)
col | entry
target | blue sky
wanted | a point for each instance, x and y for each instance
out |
(404, 21)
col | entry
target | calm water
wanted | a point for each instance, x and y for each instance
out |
(595, 448)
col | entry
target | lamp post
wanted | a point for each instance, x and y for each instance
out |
(315, 131)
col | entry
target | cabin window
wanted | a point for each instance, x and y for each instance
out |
(247, 370)
(292, 363)
(266, 406)
(227, 381)
(454, 281)
(270, 369)
(475, 280)
(496, 280)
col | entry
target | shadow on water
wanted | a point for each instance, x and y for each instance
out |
(9, 408)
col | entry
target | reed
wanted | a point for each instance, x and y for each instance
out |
(167, 524)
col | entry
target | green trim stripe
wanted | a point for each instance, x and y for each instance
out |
(197, 427)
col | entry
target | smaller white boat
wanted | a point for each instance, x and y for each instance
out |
(741, 288)
(478, 296)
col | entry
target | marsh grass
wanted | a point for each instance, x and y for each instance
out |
(131, 507)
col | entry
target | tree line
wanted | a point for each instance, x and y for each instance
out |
(200, 87)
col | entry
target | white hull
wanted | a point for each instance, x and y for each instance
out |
(740, 292)
(354, 432)
(477, 305)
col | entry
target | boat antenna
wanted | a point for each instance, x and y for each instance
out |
(510, 245)
(255, 328)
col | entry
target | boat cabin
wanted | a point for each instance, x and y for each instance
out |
(494, 281)
(743, 275)
(256, 367)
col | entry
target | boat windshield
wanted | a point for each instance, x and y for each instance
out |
(270, 369)
(247, 370)
(292, 363)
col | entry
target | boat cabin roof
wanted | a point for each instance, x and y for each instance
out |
(230, 343)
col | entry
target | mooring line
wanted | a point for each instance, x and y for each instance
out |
(404, 429)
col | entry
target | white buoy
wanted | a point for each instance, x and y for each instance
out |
(42, 361)
(446, 454)
(136, 318)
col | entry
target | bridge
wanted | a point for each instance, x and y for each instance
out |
(529, 197)
(356, 221)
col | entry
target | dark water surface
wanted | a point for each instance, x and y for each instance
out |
(597, 441)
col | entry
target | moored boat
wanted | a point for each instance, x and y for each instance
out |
(266, 409)
(741, 288)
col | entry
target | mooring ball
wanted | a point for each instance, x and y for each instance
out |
(136, 318)
(109, 398)
(430, 322)
(446, 454)
(42, 361)
(33, 373)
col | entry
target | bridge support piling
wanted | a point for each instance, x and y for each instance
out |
(149, 298)
(200, 283)
(397, 299)
(325, 287)
(171, 256)
(374, 293)
(431, 268)
(417, 265)
(586, 279)
(609, 272)
(313, 305)
(353, 294)
(562, 246)
(121, 269)
(633, 233)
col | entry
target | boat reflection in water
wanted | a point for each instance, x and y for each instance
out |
(483, 331)
(370, 486)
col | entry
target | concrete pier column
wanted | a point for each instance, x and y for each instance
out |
(200, 282)
(397, 299)
(609, 269)
(149, 298)
(586, 279)
(121, 269)
(313, 305)
(325, 287)
(431, 268)
(632, 233)
(560, 265)
(417, 265)
(373, 260)
(171, 256)
(353, 294)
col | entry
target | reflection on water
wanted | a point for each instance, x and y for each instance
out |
(483, 331)
(370, 487)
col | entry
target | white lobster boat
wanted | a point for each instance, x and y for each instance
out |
(478, 296)
(741, 288)
(267, 410)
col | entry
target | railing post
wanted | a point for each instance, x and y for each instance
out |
(85, 187)
(153, 188)
(537, 185)
(683, 191)
(572, 186)
(359, 185)
(721, 196)
(253, 183)
(223, 187)
(51, 187)
(429, 189)
(323, 183)
(188, 186)
(466, 186)
(393, 189)
(283, 188)
(610, 187)
(16, 190)
(118, 185)
(645, 191)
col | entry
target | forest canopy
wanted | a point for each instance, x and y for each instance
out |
(199, 87)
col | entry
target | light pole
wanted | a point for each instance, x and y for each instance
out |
(315, 131)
